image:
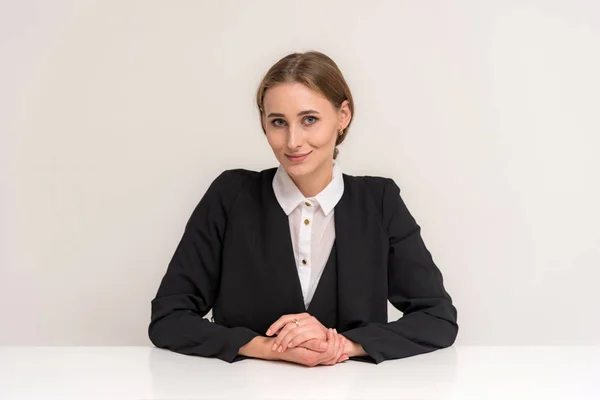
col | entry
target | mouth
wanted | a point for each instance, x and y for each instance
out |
(296, 158)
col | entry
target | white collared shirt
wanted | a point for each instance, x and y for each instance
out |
(312, 225)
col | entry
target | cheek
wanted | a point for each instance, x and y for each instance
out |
(322, 138)
(274, 140)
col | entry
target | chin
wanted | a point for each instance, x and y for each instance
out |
(298, 169)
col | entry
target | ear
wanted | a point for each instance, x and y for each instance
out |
(344, 114)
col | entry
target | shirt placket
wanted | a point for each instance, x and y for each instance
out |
(304, 247)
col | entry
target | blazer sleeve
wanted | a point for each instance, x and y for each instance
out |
(415, 287)
(191, 283)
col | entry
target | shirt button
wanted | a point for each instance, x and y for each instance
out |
(306, 222)
(308, 204)
(304, 261)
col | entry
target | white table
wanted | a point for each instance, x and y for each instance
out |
(460, 372)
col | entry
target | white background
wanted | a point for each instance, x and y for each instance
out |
(116, 115)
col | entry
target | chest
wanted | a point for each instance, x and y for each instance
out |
(259, 280)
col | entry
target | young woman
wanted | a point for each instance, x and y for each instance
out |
(298, 262)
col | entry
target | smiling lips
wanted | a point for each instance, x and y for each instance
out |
(298, 157)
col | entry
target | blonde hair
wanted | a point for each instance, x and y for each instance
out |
(315, 70)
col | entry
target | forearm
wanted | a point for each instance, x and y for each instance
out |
(413, 334)
(259, 347)
(188, 333)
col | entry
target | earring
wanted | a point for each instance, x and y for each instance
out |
(341, 132)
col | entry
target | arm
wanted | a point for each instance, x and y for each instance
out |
(190, 286)
(415, 287)
(259, 347)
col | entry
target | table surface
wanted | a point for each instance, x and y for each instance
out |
(459, 372)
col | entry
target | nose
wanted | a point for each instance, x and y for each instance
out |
(295, 137)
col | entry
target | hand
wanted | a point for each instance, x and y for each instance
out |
(308, 333)
(332, 355)
(353, 349)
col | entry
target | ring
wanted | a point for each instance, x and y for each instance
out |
(296, 322)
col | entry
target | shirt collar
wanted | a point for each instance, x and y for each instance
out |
(289, 196)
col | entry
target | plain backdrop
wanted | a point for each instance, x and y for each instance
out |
(115, 116)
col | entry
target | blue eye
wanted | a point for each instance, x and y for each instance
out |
(311, 118)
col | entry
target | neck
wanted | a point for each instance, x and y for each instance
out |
(312, 184)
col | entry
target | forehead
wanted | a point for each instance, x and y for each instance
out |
(294, 97)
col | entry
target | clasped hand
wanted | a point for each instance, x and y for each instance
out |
(307, 342)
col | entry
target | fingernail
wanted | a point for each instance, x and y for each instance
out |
(280, 348)
(274, 347)
(290, 344)
(335, 330)
(269, 332)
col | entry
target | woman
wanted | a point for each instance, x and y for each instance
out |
(298, 262)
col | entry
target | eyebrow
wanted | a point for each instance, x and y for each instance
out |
(299, 114)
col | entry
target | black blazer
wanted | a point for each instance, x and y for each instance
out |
(236, 257)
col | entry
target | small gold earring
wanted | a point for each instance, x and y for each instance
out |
(341, 132)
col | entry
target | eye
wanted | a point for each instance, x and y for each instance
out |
(311, 120)
(278, 122)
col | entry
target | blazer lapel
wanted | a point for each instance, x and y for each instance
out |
(280, 253)
(361, 249)
(323, 305)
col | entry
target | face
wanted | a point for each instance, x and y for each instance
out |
(302, 127)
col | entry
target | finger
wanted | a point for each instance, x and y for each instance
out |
(327, 353)
(283, 333)
(287, 333)
(290, 332)
(300, 336)
(331, 347)
(334, 350)
(301, 317)
(305, 333)
(314, 345)
(297, 336)
(343, 358)
(283, 320)
(339, 348)
(286, 329)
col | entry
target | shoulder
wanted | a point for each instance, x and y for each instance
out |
(377, 186)
(229, 184)
(225, 190)
(243, 177)
(233, 179)
(382, 191)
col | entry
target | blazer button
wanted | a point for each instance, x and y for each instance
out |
(304, 262)
(306, 222)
